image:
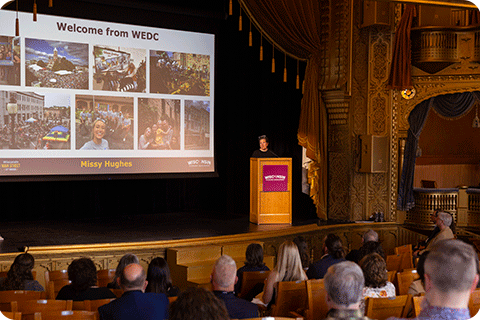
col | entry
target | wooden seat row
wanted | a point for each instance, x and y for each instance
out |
(307, 299)
(49, 308)
(55, 280)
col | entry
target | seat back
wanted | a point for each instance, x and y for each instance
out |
(18, 295)
(12, 315)
(316, 300)
(55, 280)
(407, 260)
(392, 277)
(32, 306)
(417, 303)
(474, 302)
(394, 262)
(105, 276)
(67, 315)
(93, 305)
(250, 279)
(405, 279)
(383, 308)
(291, 296)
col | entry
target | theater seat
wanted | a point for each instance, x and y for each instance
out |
(250, 279)
(18, 295)
(12, 315)
(30, 307)
(54, 281)
(66, 315)
(383, 308)
(316, 297)
(291, 299)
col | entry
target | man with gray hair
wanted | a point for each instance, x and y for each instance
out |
(344, 284)
(443, 222)
(450, 276)
(370, 244)
(223, 278)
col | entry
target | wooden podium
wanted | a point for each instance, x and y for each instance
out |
(271, 190)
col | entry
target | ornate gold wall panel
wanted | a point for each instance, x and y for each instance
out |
(359, 116)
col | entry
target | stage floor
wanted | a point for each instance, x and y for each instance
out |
(138, 228)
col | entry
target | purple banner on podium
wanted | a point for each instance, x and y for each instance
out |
(275, 178)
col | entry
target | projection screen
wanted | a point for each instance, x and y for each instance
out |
(81, 97)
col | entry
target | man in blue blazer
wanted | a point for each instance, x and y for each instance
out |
(223, 278)
(135, 303)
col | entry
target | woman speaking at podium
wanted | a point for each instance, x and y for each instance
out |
(263, 152)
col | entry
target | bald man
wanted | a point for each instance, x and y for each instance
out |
(135, 303)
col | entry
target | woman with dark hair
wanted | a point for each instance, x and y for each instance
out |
(303, 250)
(376, 278)
(83, 276)
(20, 276)
(333, 253)
(371, 247)
(125, 260)
(159, 279)
(253, 262)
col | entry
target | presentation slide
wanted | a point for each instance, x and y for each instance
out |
(81, 97)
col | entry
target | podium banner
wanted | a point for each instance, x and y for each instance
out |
(275, 178)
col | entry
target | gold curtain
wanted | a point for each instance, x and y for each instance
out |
(293, 26)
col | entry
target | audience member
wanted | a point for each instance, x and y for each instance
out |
(159, 279)
(417, 287)
(135, 303)
(355, 255)
(253, 262)
(344, 284)
(433, 218)
(371, 247)
(333, 253)
(198, 303)
(19, 276)
(288, 268)
(450, 277)
(443, 221)
(83, 276)
(303, 250)
(125, 260)
(223, 280)
(376, 278)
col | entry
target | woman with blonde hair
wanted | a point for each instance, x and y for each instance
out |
(288, 268)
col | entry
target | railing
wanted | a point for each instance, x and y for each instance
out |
(435, 46)
(427, 200)
(473, 213)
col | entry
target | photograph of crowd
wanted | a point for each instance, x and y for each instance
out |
(119, 69)
(103, 122)
(56, 64)
(35, 121)
(197, 125)
(179, 73)
(158, 124)
(9, 60)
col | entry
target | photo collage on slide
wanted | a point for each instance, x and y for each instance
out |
(124, 89)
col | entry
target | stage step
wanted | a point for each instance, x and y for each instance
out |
(192, 266)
